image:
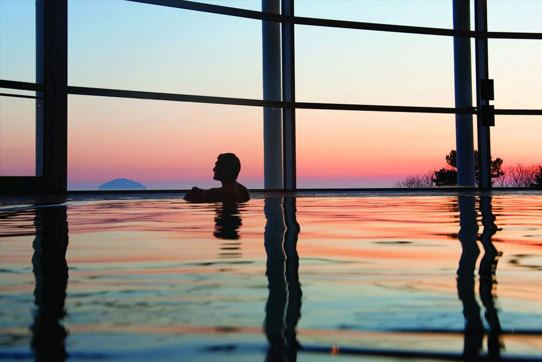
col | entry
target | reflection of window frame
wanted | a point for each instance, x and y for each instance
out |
(52, 87)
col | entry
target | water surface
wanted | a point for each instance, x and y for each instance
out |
(419, 276)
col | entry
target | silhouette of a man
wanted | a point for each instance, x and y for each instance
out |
(226, 170)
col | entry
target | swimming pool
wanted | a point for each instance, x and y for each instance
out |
(375, 275)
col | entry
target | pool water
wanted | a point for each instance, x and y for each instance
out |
(378, 276)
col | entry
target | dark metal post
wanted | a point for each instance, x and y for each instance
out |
(40, 79)
(482, 73)
(288, 94)
(52, 71)
(463, 95)
(272, 125)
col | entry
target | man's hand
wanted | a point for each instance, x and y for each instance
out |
(190, 195)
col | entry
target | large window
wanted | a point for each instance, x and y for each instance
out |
(515, 65)
(159, 144)
(128, 45)
(426, 13)
(18, 40)
(340, 93)
(520, 163)
(346, 149)
(19, 138)
(368, 67)
(514, 15)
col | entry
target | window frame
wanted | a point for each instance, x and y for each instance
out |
(51, 17)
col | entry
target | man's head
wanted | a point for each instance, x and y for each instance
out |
(227, 167)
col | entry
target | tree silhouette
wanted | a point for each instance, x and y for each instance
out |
(538, 177)
(520, 176)
(448, 177)
(417, 181)
(445, 177)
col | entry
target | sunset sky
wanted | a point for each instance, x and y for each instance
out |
(125, 45)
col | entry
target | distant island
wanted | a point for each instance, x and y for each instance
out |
(122, 184)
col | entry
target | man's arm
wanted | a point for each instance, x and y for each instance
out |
(199, 195)
(192, 194)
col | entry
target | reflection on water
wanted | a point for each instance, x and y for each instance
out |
(488, 279)
(227, 224)
(468, 233)
(283, 307)
(51, 275)
(162, 279)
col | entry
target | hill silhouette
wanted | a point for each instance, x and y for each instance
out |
(122, 184)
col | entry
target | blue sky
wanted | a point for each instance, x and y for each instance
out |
(126, 45)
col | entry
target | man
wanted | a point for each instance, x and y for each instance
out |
(226, 170)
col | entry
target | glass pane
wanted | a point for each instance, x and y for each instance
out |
(367, 67)
(514, 15)
(127, 45)
(162, 145)
(516, 139)
(427, 13)
(18, 40)
(369, 149)
(515, 66)
(17, 136)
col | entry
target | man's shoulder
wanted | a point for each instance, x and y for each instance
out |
(244, 195)
(214, 194)
(241, 187)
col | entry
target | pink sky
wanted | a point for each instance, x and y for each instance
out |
(174, 145)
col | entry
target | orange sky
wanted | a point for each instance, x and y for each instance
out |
(173, 144)
(166, 142)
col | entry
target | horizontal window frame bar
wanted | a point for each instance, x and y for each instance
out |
(344, 24)
(383, 108)
(311, 192)
(216, 9)
(513, 35)
(518, 112)
(407, 29)
(131, 94)
(18, 185)
(174, 97)
(19, 96)
(118, 93)
(21, 85)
